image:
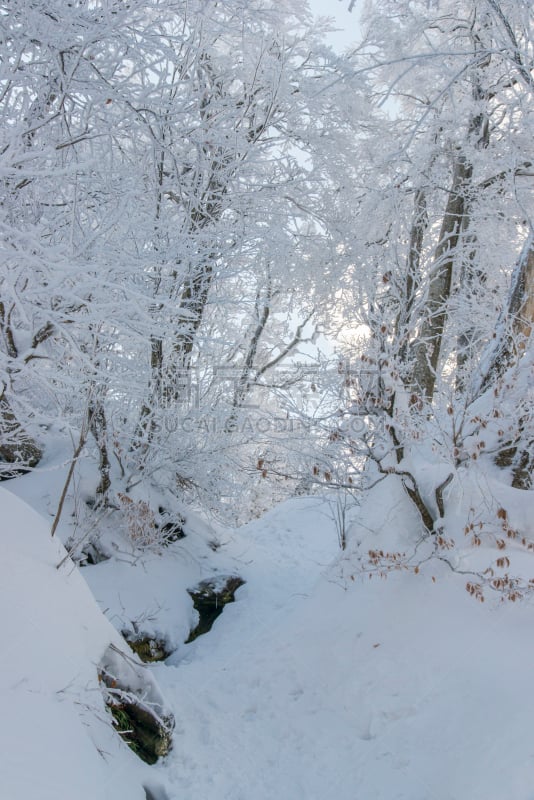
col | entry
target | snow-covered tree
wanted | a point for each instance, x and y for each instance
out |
(441, 261)
(166, 165)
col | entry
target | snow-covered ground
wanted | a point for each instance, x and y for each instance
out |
(56, 741)
(316, 683)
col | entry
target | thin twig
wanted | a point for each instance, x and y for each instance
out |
(77, 453)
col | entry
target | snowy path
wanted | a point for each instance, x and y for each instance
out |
(239, 692)
(309, 689)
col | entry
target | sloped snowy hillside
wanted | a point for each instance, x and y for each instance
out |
(56, 737)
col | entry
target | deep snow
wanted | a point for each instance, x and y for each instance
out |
(316, 683)
(56, 741)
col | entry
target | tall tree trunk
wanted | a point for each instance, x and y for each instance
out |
(98, 427)
(455, 224)
(517, 321)
(413, 273)
(428, 346)
(514, 340)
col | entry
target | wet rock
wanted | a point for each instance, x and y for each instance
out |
(209, 599)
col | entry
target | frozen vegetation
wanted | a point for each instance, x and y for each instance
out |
(266, 401)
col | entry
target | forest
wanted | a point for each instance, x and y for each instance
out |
(248, 280)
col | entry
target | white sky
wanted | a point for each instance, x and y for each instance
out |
(345, 21)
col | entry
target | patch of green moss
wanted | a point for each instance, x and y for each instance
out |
(141, 731)
(149, 650)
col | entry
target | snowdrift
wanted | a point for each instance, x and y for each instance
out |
(56, 736)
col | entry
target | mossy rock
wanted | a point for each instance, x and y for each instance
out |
(147, 648)
(146, 733)
(142, 731)
(209, 599)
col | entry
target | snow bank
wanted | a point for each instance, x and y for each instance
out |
(56, 738)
